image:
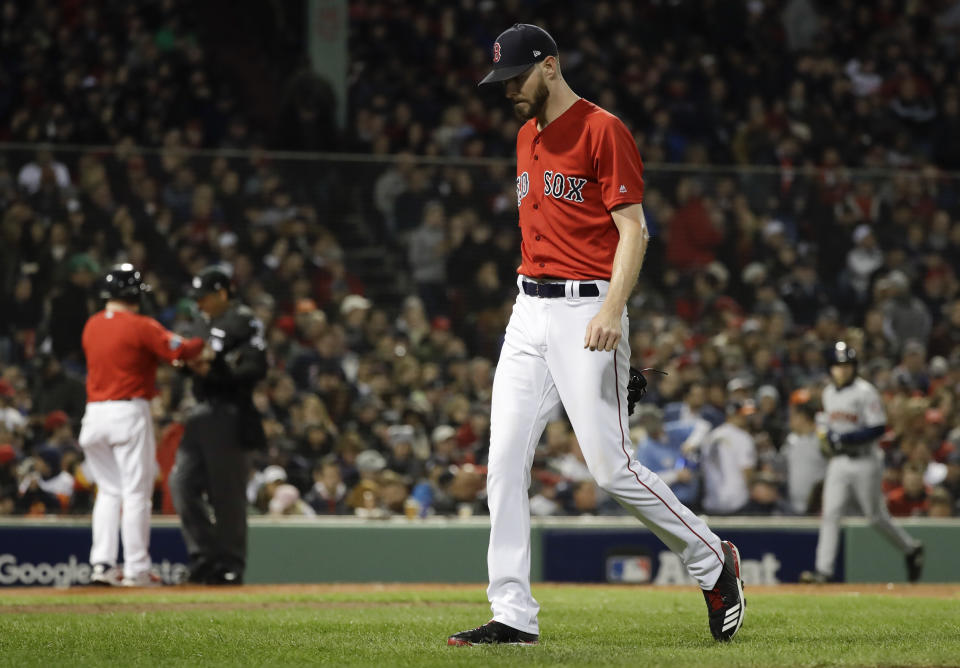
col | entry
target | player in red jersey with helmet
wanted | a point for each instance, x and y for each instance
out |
(123, 350)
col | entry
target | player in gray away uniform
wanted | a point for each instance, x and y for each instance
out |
(854, 421)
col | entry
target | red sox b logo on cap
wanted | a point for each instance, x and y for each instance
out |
(496, 52)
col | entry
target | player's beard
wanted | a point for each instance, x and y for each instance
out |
(525, 110)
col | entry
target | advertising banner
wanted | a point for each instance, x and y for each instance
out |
(768, 556)
(58, 556)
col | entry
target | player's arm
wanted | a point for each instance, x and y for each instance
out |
(166, 345)
(246, 363)
(874, 419)
(697, 436)
(603, 331)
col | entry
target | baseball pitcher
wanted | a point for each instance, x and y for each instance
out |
(579, 194)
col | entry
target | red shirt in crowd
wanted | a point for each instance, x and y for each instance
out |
(901, 505)
(692, 238)
(569, 176)
(123, 350)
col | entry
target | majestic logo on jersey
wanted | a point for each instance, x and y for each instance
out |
(623, 189)
(559, 186)
(496, 52)
(523, 187)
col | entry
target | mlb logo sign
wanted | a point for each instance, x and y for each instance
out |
(631, 569)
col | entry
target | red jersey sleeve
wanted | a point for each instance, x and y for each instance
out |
(618, 164)
(165, 344)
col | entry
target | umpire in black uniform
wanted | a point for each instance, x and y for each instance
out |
(211, 468)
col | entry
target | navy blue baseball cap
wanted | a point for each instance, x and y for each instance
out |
(517, 49)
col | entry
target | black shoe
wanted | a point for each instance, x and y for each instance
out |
(493, 633)
(725, 602)
(915, 563)
(225, 577)
(199, 574)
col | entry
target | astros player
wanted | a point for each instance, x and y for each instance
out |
(579, 193)
(123, 349)
(853, 420)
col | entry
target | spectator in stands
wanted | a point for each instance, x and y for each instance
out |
(662, 452)
(946, 336)
(427, 258)
(364, 500)
(694, 406)
(70, 309)
(728, 459)
(38, 478)
(286, 501)
(911, 373)
(905, 317)
(584, 498)
(55, 390)
(444, 451)
(952, 480)
(8, 479)
(769, 417)
(41, 171)
(328, 494)
(11, 419)
(693, 232)
(765, 497)
(394, 490)
(863, 260)
(23, 311)
(806, 465)
(270, 479)
(566, 458)
(402, 459)
(912, 498)
(941, 503)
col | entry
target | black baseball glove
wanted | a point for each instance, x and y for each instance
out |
(637, 387)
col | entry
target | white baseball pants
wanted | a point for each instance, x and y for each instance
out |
(862, 479)
(543, 362)
(118, 442)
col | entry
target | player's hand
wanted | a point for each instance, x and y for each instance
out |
(603, 332)
(684, 475)
(199, 366)
(829, 442)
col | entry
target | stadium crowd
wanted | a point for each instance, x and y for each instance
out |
(377, 408)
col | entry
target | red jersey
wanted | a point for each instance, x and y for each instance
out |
(569, 176)
(123, 350)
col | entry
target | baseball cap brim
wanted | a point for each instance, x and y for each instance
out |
(197, 293)
(504, 73)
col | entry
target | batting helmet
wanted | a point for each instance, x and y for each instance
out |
(841, 353)
(123, 282)
(211, 279)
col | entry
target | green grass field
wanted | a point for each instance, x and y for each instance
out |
(383, 626)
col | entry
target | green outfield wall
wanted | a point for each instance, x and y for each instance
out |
(53, 551)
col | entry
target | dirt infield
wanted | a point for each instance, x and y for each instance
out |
(40, 597)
